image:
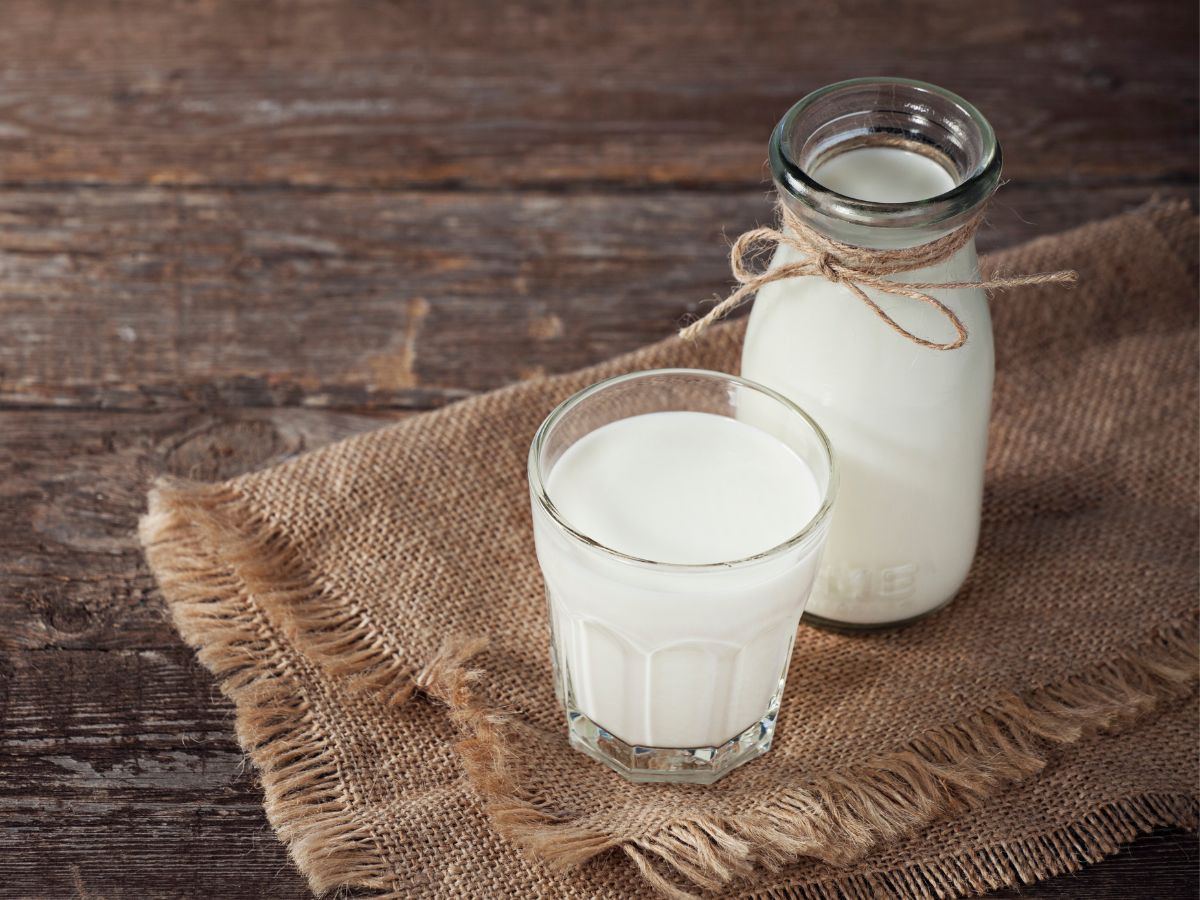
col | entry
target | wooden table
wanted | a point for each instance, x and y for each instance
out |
(231, 232)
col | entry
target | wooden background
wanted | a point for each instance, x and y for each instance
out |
(230, 232)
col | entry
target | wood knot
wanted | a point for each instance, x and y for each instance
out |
(224, 448)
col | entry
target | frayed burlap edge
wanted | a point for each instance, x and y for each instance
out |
(220, 566)
(1067, 849)
(841, 816)
(199, 561)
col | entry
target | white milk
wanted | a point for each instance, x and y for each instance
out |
(909, 424)
(662, 656)
(884, 175)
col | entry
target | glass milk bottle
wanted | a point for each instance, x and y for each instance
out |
(886, 164)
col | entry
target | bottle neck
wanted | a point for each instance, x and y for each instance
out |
(884, 163)
(875, 237)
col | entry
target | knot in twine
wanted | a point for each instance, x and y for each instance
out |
(858, 268)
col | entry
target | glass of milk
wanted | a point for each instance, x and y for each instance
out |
(885, 163)
(679, 517)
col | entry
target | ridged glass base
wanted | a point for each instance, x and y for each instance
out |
(693, 765)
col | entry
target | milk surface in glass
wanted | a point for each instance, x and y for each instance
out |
(909, 424)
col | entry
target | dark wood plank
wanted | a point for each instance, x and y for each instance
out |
(120, 777)
(535, 93)
(72, 486)
(119, 772)
(1158, 866)
(163, 298)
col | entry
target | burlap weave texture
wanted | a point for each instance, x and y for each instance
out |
(1042, 718)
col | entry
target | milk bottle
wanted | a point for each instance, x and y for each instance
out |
(885, 163)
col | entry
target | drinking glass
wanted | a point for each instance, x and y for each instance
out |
(673, 672)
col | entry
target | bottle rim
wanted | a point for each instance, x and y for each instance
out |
(919, 116)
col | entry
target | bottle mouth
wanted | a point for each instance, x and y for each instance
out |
(893, 112)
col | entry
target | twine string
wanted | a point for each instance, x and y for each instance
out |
(858, 268)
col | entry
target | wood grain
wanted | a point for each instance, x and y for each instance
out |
(72, 486)
(388, 94)
(119, 772)
(169, 298)
(120, 777)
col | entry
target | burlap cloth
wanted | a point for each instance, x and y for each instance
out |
(1041, 719)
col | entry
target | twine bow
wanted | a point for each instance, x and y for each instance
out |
(857, 268)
